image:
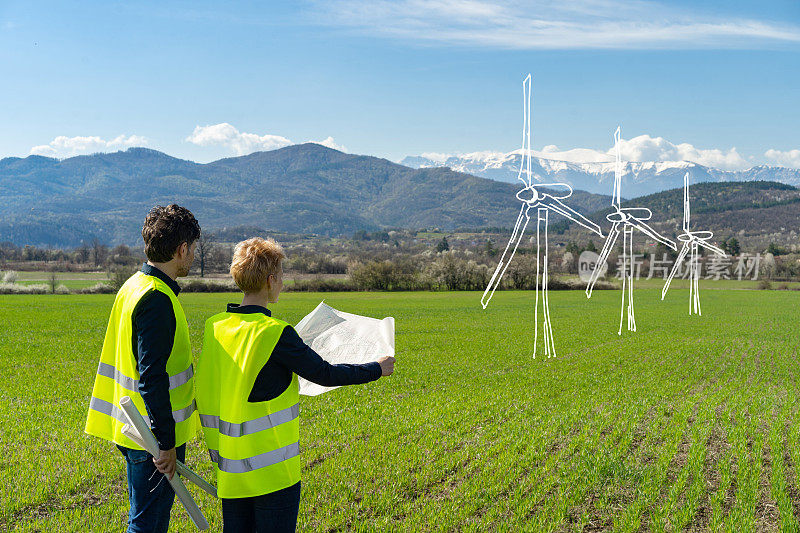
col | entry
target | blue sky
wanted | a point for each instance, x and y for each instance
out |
(714, 81)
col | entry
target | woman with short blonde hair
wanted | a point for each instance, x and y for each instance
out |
(248, 395)
(254, 260)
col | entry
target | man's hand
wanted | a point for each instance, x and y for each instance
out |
(165, 462)
(387, 365)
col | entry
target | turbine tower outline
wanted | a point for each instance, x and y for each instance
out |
(692, 241)
(532, 196)
(629, 218)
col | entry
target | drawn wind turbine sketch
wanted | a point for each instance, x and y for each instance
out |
(628, 218)
(544, 198)
(692, 241)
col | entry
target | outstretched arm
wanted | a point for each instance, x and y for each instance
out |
(291, 354)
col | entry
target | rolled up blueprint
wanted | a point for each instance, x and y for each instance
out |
(130, 432)
(151, 446)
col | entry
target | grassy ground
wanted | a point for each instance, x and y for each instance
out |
(71, 280)
(689, 423)
(81, 280)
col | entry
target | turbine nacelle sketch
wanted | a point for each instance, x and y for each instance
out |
(544, 198)
(624, 220)
(696, 236)
(630, 214)
(692, 242)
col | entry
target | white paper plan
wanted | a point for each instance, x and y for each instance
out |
(344, 338)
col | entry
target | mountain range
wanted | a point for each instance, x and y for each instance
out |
(639, 178)
(309, 188)
(304, 188)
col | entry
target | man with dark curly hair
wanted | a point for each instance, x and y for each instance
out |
(146, 355)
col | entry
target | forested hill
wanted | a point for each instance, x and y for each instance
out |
(719, 197)
(758, 211)
(304, 188)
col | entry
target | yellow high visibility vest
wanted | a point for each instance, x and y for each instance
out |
(255, 446)
(118, 374)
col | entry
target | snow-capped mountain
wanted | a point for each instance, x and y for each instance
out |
(639, 179)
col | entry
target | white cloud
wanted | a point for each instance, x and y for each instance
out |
(576, 155)
(63, 146)
(437, 157)
(646, 148)
(544, 24)
(643, 148)
(241, 143)
(329, 142)
(789, 158)
(224, 134)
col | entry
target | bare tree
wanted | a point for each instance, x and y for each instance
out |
(205, 248)
(83, 253)
(99, 252)
(119, 274)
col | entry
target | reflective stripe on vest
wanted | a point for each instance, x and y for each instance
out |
(108, 408)
(104, 369)
(251, 426)
(183, 414)
(241, 466)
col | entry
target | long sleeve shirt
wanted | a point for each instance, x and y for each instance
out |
(292, 355)
(153, 337)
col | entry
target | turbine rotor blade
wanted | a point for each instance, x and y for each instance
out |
(516, 237)
(653, 234)
(569, 213)
(616, 198)
(678, 261)
(525, 156)
(712, 248)
(686, 211)
(613, 233)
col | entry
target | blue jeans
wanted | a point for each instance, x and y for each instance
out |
(275, 512)
(149, 492)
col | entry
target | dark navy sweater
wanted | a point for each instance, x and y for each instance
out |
(153, 337)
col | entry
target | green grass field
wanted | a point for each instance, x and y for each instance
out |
(71, 280)
(691, 423)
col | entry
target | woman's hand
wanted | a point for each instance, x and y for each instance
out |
(387, 365)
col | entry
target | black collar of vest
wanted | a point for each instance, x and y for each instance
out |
(247, 309)
(150, 270)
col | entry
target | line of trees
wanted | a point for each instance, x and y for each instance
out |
(450, 272)
(384, 260)
(92, 254)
